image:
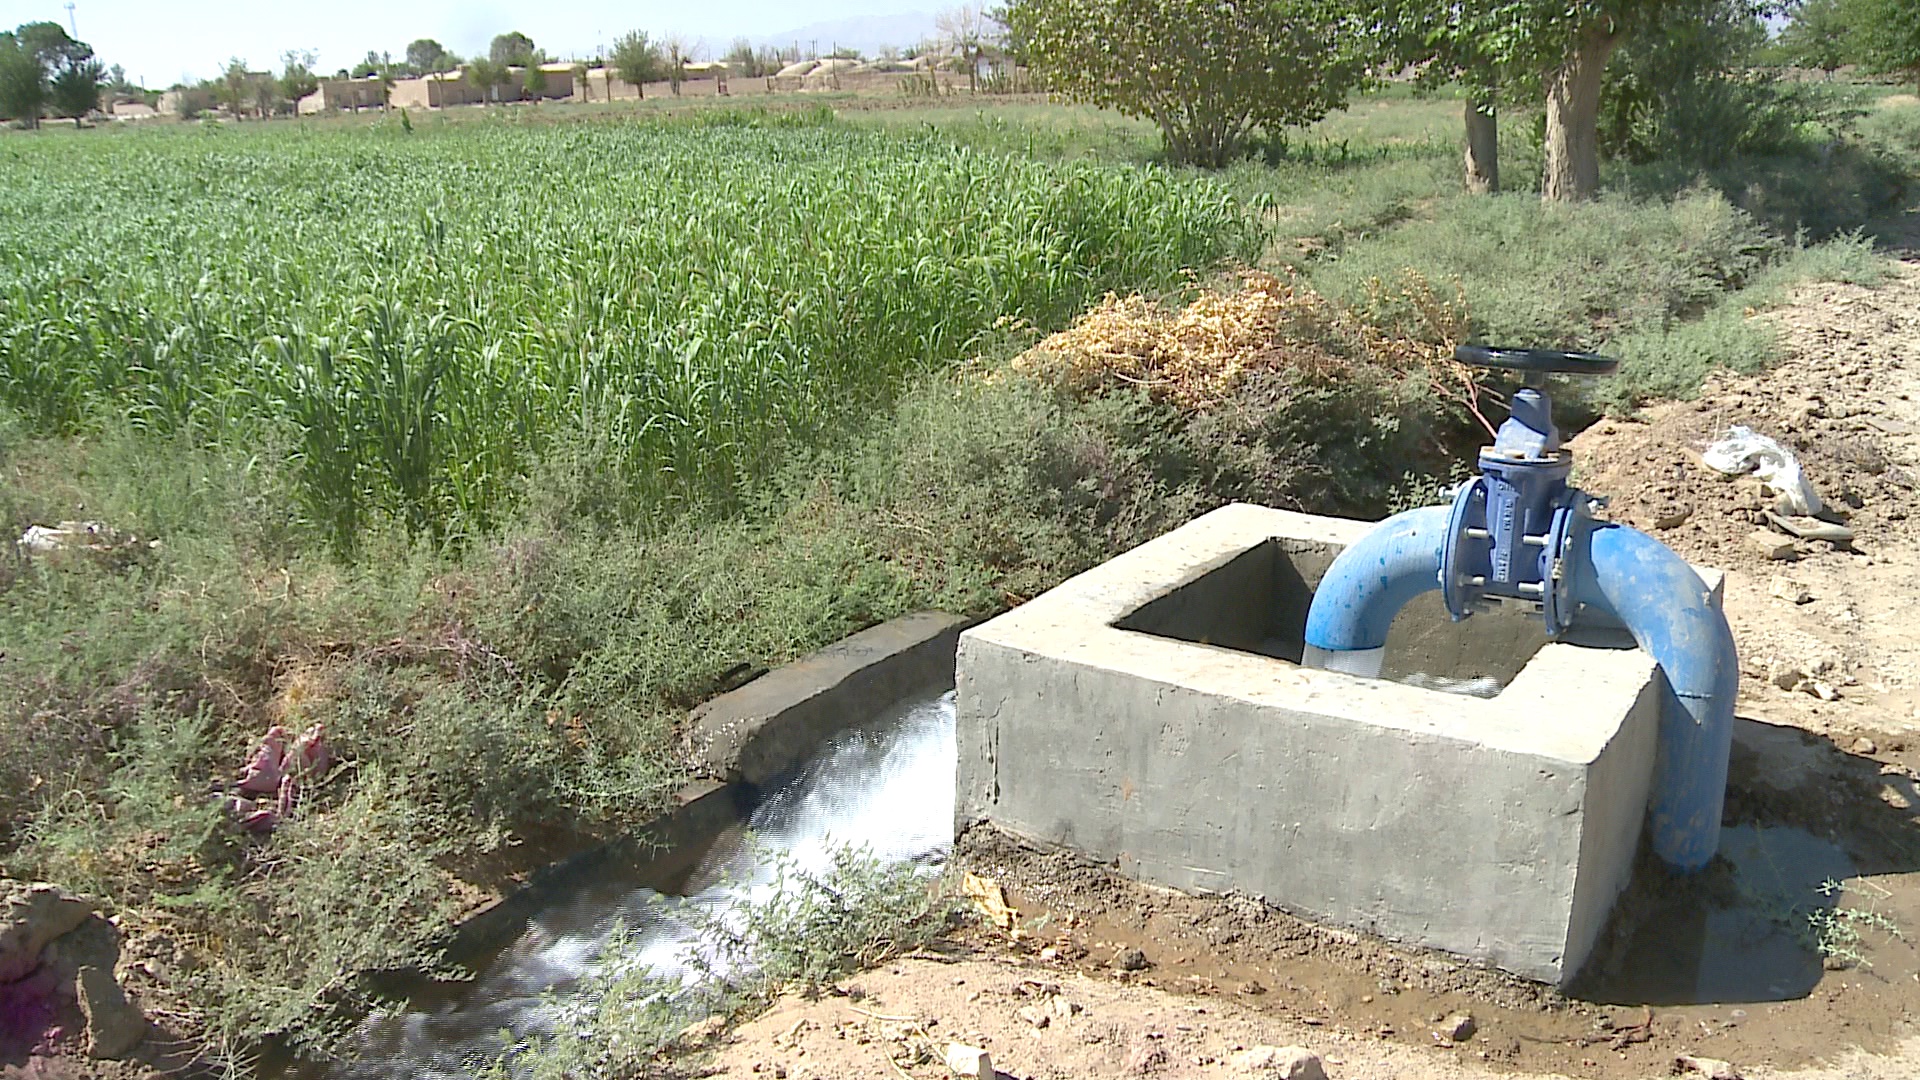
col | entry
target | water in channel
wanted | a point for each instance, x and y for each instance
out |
(886, 785)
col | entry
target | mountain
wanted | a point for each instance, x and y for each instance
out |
(868, 33)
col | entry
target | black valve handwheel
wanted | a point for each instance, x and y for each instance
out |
(1537, 360)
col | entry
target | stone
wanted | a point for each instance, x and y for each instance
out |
(1811, 528)
(963, 1060)
(1789, 590)
(1128, 959)
(1771, 545)
(1286, 1062)
(1034, 1016)
(31, 917)
(1864, 746)
(1065, 1009)
(114, 1025)
(1459, 1027)
(1822, 689)
(1672, 517)
(1709, 1068)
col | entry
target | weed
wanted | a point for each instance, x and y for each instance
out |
(1835, 933)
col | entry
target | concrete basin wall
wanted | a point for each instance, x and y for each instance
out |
(1148, 713)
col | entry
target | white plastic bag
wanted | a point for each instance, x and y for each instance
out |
(1744, 451)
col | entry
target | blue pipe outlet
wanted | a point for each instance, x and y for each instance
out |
(1617, 570)
(1372, 580)
(1666, 607)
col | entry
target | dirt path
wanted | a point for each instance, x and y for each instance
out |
(1825, 758)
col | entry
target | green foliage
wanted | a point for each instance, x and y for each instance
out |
(534, 82)
(1207, 74)
(23, 87)
(1817, 36)
(417, 338)
(297, 79)
(637, 58)
(40, 66)
(511, 49)
(426, 55)
(1572, 277)
(1691, 97)
(1886, 34)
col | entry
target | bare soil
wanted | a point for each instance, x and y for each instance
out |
(1719, 965)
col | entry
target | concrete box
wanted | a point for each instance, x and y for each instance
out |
(1151, 713)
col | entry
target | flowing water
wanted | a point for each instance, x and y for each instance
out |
(886, 785)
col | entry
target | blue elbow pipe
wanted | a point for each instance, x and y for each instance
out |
(1620, 571)
(1372, 580)
(1667, 608)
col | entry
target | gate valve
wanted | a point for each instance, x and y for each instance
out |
(1510, 537)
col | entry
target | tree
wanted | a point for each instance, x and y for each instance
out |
(1817, 36)
(1886, 35)
(678, 52)
(23, 84)
(235, 89)
(297, 79)
(375, 63)
(43, 66)
(1208, 73)
(1445, 41)
(487, 77)
(511, 49)
(636, 59)
(580, 81)
(426, 55)
(75, 90)
(744, 61)
(1566, 44)
(965, 30)
(534, 82)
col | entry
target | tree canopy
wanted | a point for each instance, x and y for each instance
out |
(1208, 73)
(40, 65)
(637, 58)
(511, 48)
(1886, 35)
(426, 55)
(1817, 35)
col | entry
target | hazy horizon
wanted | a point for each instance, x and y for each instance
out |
(159, 45)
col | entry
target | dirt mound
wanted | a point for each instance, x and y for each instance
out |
(1844, 402)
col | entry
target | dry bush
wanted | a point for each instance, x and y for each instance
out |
(1200, 357)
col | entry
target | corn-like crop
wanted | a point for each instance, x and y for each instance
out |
(418, 316)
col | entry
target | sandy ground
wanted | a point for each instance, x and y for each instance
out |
(1828, 744)
(899, 1021)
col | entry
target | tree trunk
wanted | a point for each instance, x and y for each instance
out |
(1483, 148)
(1573, 119)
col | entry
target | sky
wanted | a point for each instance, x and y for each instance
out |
(162, 43)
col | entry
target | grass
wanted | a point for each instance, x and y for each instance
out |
(415, 318)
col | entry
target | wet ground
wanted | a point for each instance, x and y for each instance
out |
(1799, 941)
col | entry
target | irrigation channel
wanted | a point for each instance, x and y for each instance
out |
(887, 784)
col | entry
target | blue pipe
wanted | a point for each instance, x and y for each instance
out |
(1372, 580)
(1666, 607)
(1619, 571)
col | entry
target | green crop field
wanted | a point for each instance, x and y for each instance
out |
(412, 317)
